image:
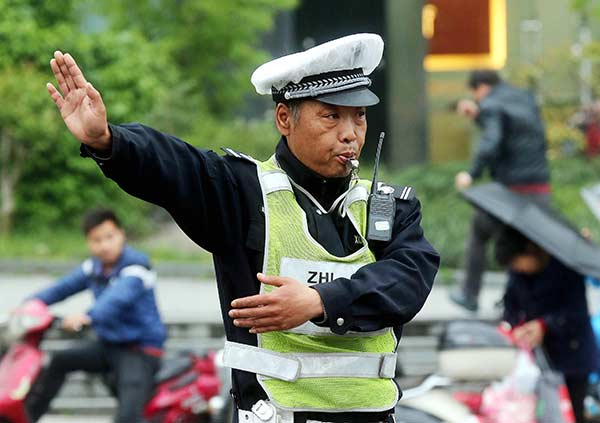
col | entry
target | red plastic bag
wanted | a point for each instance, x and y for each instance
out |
(514, 398)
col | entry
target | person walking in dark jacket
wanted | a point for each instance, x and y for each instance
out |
(124, 317)
(512, 146)
(545, 303)
(313, 310)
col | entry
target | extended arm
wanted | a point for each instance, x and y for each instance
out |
(65, 287)
(195, 186)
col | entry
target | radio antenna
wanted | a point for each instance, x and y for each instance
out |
(376, 168)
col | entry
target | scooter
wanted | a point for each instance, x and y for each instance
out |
(472, 356)
(454, 393)
(187, 387)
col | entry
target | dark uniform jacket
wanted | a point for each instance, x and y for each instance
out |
(557, 296)
(512, 144)
(217, 202)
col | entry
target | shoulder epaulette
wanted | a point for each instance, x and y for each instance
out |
(238, 155)
(403, 192)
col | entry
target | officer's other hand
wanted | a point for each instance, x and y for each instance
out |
(291, 304)
(80, 105)
(463, 180)
(75, 322)
(467, 108)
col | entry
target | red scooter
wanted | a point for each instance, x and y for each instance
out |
(186, 387)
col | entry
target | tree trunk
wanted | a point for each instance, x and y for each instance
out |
(9, 175)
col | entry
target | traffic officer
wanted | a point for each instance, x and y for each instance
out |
(313, 309)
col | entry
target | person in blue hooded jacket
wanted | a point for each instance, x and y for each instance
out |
(124, 316)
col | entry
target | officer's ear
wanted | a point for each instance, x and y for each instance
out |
(283, 119)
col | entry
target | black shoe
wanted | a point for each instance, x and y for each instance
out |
(459, 298)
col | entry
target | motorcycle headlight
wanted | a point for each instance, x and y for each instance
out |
(215, 405)
(19, 324)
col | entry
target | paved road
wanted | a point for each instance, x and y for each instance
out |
(75, 419)
(195, 300)
(184, 299)
(180, 299)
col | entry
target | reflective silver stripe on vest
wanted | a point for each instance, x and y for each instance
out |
(275, 181)
(359, 192)
(261, 361)
(294, 366)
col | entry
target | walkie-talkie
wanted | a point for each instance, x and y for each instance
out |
(381, 206)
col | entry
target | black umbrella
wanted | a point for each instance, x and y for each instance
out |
(591, 195)
(544, 227)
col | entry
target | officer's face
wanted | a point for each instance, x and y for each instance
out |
(106, 242)
(322, 136)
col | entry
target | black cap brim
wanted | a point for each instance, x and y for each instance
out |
(357, 97)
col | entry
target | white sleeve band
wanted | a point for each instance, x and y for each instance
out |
(147, 276)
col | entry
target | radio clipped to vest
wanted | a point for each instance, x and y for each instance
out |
(382, 205)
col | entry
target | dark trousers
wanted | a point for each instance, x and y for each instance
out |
(483, 228)
(133, 373)
(577, 386)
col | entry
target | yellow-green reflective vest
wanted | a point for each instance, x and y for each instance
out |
(350, 372)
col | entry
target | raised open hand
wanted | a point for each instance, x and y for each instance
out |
(80, 104)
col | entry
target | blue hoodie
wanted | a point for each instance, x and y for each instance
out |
(125, 309)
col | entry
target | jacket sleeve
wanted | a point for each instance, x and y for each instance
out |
(195, 186)
(511, 313)
(120, 295)
(68, 285)
(390, 291)
(490, 122)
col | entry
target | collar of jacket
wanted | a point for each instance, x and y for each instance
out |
(498, 88)
(325, 190)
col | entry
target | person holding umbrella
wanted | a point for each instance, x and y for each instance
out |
(545, 303)
(545, 298)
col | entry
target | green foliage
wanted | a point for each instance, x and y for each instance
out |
(586, 6)
(50, 245)
(563, 139)
(182, 67)
(446, 215)
(55, 185)
(215, 43)
(559, 102)
(254, 137)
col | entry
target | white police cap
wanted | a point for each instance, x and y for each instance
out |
(335, 72)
